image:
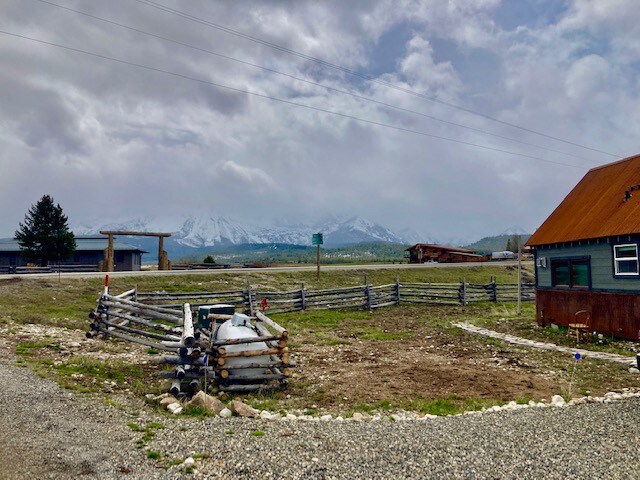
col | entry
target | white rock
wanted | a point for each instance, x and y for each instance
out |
(266, 415)
(376, 418)
(291, 416)
(189, 462)
(532, 403)
(557, 401)
(633, 370)
(326, 418)
(613, 396)
(168, 400)
(339, 418)
(172, 407)
(358, 416)
(225, 413)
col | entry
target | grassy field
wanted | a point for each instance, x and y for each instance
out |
(67, 302)
(407, 357)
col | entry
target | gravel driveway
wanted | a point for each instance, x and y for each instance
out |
(46, 432)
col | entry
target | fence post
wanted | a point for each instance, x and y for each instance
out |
(303, 297)
(462, 292)
(494, 289)
(397, 292)
(248, 298)
(367, 292)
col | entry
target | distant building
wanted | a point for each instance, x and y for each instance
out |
(586, 252)
(428, 252)
(89, 251)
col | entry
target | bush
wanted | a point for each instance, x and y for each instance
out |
(209, 259)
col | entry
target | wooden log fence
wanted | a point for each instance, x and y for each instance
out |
(164, 321)
(365, 296)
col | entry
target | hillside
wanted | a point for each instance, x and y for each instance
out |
(286, 253)
(496, 243)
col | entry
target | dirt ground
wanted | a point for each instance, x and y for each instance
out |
(393, 358)
(430, 364)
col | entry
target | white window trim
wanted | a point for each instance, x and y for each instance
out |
(622, 259)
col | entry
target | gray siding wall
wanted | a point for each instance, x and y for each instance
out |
(601, 266)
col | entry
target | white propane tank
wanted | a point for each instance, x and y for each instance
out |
(238, 327)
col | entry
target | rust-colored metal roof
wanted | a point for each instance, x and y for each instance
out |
(443, 247)
(596, 206)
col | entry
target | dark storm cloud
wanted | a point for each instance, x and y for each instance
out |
(112, 140)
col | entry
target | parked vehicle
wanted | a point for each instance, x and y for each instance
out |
(506, 255)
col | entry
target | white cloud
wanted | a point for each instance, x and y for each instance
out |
(108, 138)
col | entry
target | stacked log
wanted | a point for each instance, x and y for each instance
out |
(196, 358)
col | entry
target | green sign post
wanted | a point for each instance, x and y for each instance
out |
(317, 239)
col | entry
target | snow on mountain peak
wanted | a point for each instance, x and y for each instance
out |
(204, 230)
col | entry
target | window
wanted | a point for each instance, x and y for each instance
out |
(560, 273)
(572, 273)
(625, 259)
(580, 273)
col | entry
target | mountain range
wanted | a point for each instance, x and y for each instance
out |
(195, 236)
(199, 231)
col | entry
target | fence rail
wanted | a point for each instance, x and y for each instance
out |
(363, 296)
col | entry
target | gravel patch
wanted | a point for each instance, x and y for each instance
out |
(46, 432)
(587, 441)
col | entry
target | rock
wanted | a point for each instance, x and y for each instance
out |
(339, 418)
(613, 396)
(243, 409)
(189, 462)
(358, 416)
(532, 403)
(266, 415)
(168, 400)
(557, 401)
(225, 413)
(325, 418)
(291, 416)
(73, 345)
(175, 408)
(633, 370)
(211, 404)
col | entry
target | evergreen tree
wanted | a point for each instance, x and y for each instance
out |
(45, 235)
(508, 249)
(209, 259)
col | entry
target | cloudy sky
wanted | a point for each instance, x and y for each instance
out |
(111, 140)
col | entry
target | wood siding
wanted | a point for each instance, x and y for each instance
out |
(601, 260)
(612, 313)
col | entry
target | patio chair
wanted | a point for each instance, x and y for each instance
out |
(581, 324)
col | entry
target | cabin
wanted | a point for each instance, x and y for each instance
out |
(89, 252)
(428, 252)
(586, 253)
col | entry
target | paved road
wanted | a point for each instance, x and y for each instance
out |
(270, 269)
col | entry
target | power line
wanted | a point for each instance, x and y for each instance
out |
(281, 100)
(310, 82)
(362, 75)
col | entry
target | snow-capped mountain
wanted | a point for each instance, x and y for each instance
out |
(197, 231)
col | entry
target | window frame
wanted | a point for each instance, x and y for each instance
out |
(569, 261)
(616, 273)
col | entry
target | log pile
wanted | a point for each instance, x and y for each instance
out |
(256, 359)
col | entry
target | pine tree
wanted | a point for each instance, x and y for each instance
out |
(508, 249)
(45, 235)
